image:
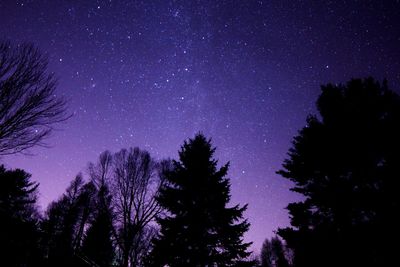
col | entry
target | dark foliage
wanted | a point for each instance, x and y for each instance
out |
(29, 106)
(346, 163)
(65, 222)
(19, 218)
(109, 220)
(133, 178)
(199, 229)
(274, 253)
(97, 246)
(135, 184)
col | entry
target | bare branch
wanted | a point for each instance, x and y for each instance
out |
(29, 105)
(134, 179)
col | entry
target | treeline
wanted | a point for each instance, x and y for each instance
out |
(345, 163)
(130, 211)
(134, 211)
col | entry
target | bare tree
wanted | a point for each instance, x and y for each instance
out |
(134, 179)
(101, 172)
(136, 183)
(29, 106)
(142, 245)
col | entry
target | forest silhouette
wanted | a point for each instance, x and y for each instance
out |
(132, 210)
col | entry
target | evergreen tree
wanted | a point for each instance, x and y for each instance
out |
(199, 229)
(19, 218)
(274, 253)
(345, 162)
(97, 246)
(266, 256)
(65, 222)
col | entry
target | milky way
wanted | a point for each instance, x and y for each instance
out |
(153, 73)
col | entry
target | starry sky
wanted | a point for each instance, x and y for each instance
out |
(153, 73)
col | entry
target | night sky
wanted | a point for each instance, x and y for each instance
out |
(153, 73)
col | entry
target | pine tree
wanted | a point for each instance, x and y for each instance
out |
(19, 217)
(97, 246)
(274, 253)
(199, 229)
(65, 222)
(346, 164)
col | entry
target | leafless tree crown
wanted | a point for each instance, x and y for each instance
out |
(134, 179)
(29, 106)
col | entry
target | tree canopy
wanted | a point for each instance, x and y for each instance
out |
(19, 219)
(345, 162)
(274, 253)
(199, 229)
(29, 104)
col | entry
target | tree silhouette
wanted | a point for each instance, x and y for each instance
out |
(65, 222)
(199, 229)
(345, 163)
(274, 253)
(133, 178)
(97, 246)
(29, 105)
(19, 218)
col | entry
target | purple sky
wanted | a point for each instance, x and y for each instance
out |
(153, 73)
